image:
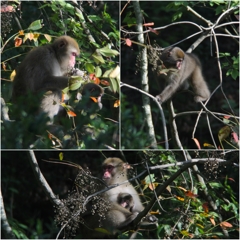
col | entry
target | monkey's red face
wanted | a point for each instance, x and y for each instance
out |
(179, 64)
(72, 59)
(107, 172)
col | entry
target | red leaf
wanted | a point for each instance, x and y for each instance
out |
(128, 42)
(148, 24)
(205, 207)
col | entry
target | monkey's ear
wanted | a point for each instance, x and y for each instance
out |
(127, 166)
(180, 53)
(62, 43)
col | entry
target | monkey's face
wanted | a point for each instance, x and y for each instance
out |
(108, 171)
(172, 58)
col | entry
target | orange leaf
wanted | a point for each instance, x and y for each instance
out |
(190, 194)
(21, 33)
(205, 207)
(213, 221)
(225, 225)
(105, 82)
(97, 80)
(71, 113)
(179, 198)
(155, 212)
(197, 143)
(152, 185)
(185, 190)
(94, 99)
(226, 117)
(148, 24)
(116, 103)
(128, 42)
(18, 42)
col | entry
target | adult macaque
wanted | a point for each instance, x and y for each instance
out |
(115, 171)
(124, 201)
(46, 71)
(187, 69)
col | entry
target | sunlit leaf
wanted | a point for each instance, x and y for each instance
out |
(179, 198)
(21, 33)
(48, 37)
(36, 25)
(61, 156)
(225, 225)
(71, 113)
(212, 221)
(98, 71)
(18, 42)
(115, 73)
(208, 145)
(197, 143)
(116, 103)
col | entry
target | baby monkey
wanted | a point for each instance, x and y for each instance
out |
(184, 69)
(126, 201)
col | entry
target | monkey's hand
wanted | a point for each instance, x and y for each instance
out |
(159, 99)
(77, 72)
(149, 219)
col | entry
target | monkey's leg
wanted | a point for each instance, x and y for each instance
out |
(199, 86)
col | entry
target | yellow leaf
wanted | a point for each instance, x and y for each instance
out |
(61, 156)
(116, 103)
(13, 74)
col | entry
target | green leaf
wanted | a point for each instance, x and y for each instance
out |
(97, 58)
(89, 67)
(106, 74)
(61, 156)
(75, 86)
(98, 71)
(107, 52)
(35, 25)
(114, 85)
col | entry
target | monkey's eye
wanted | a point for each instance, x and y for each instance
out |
(74, 54)
(109, 168)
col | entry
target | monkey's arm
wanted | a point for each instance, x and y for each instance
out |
(168, 90)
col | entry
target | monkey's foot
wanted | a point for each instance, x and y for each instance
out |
(159, 99)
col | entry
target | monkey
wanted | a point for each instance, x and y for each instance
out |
(45, 71)
(126, 201)
(186, 69)
(115, 171)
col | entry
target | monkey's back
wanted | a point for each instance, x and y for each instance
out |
(35, 67)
